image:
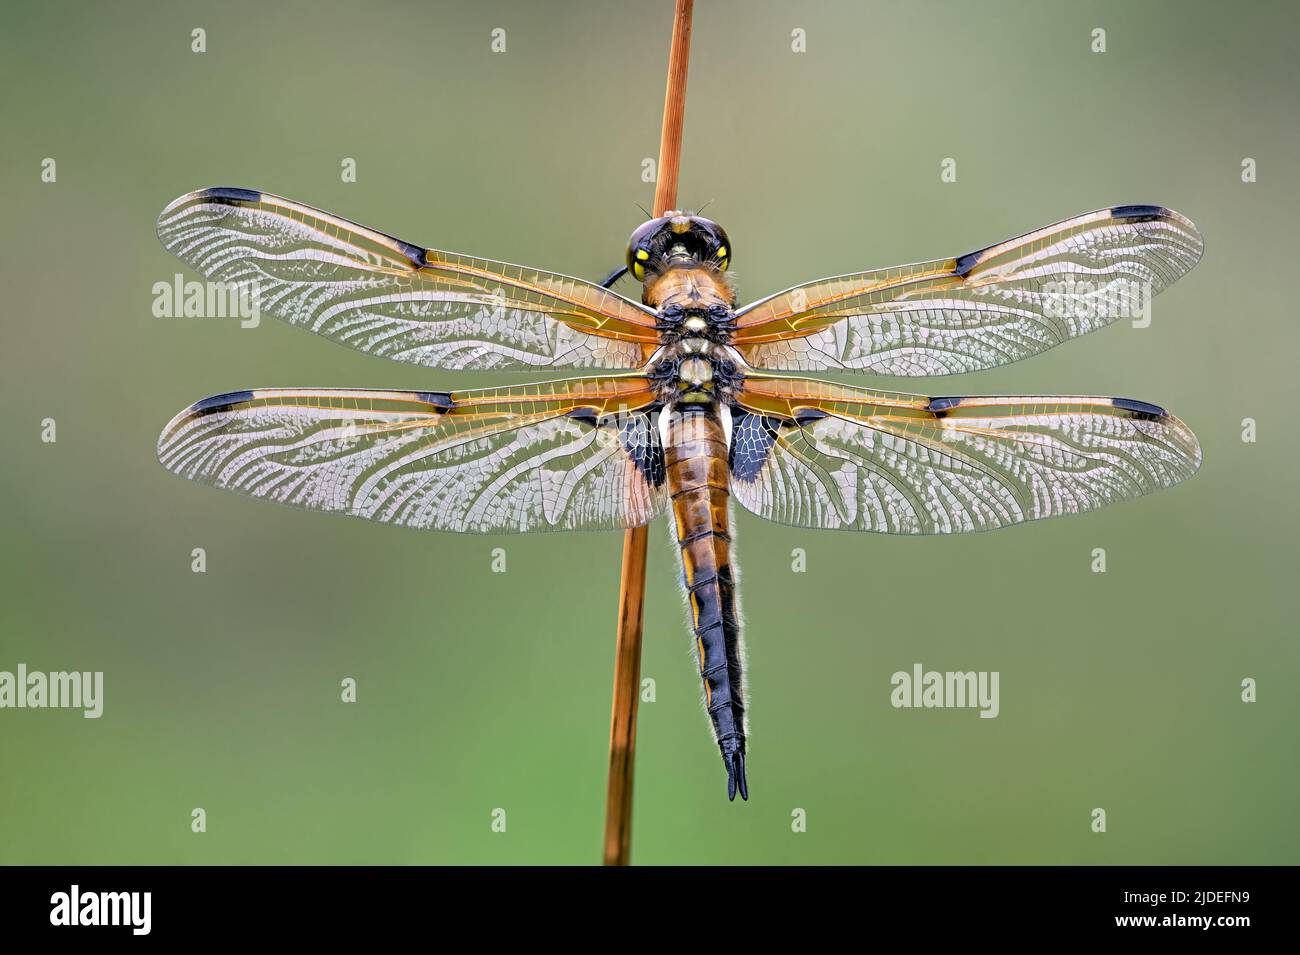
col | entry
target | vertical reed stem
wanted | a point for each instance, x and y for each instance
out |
(631, 600)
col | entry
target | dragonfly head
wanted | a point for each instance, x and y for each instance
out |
(676, 237)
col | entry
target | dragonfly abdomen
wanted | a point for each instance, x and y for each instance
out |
(696, 464)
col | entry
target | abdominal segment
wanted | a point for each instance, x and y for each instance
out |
(696, 463)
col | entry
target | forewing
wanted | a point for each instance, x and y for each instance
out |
(816, 454)
(988, 308)
(571, 455)
(383, 296)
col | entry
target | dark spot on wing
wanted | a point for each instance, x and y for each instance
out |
(1141, 409)
(440, 399)
(941, 406)
(640, 438)
(809, 415)
(416, 254)
(637, 433)
(219, 403)
(968, 262)
(1139, 213)
(752, 438)
(231, 192)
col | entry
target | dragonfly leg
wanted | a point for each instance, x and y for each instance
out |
(612, 277)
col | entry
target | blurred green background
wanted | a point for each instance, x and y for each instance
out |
(480, 691)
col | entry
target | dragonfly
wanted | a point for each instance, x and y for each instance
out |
(694, 403)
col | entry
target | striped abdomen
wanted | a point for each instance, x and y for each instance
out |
(695, 455)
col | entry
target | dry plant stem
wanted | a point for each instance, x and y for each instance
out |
(631, 600)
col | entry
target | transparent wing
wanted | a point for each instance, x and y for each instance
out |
(992, 307)
(569, 455)
(383, 296)
(816, 454)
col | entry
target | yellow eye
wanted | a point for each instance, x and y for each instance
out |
(638, 271)
(642, 254)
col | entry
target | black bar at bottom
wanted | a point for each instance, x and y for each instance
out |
(335, 904)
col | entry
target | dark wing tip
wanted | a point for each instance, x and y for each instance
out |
(1142, 213)
(229, 192)
(217, 403)
(200, 409)
(1146, 213)
(1142, 409)
(416, 256)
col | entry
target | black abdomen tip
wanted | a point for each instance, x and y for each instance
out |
(735, 763)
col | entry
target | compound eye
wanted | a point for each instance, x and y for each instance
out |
(716, 242)
(636, 260)
(639, 244)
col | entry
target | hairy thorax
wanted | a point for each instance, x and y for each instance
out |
(695, 363)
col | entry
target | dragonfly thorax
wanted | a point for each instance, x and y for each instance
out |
(696, 371)
(691, 299)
